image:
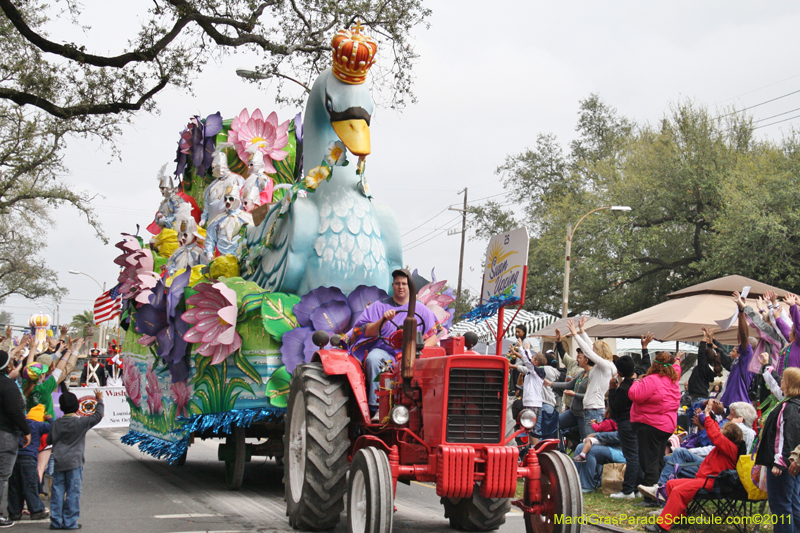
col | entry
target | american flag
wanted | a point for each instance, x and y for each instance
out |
(108, 305)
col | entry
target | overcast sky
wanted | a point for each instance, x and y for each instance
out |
(491, 76)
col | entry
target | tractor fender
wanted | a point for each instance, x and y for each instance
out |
(546, 445)
(340, 363)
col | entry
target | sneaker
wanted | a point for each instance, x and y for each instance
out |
(622, 496)
(649, 492)
(41, 515)
(647, 503)
(15, 517)
(5, 522)
(580, 458)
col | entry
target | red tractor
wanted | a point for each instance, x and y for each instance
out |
(442, 419)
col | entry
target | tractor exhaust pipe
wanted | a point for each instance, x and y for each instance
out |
(410, 334)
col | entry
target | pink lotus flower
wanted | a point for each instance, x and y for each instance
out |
(431, 296)
(133, 385)
(180, 393)
(153, 391)
(137, 268)
(214, 319)
(270, 137)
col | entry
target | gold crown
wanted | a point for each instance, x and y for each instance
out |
(353, 54)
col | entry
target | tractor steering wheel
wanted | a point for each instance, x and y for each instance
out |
(395, 339)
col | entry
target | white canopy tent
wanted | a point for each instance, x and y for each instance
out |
(487, 329)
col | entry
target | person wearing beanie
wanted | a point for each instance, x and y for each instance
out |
(620, 407)
(13, 425)
(23, 486)
(68, 437)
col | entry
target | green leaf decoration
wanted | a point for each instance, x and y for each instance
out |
(243, 364)
(276, 311)
(251, 304)
(242, 288)
(278, 387)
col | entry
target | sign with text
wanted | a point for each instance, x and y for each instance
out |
(117, 411)
(506, 259)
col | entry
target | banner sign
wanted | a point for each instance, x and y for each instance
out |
(117, 411)
(506, 259)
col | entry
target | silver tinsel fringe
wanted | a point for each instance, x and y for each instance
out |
(221, 423)
(158, 448)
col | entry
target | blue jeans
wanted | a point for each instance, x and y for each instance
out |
(783, 493)
(24, 487)
(9, 445)
(680, 457)
(567, 420)
(588, 416)
(591, 470)
(65, 501)
(548, 410)
(372, 367)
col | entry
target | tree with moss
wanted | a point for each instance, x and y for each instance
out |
(53, 90)
(708, 199)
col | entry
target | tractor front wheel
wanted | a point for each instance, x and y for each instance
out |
(315, 448)
(370, 501)
(476, 513)
(561, 494)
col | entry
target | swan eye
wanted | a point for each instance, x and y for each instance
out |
(328, 104)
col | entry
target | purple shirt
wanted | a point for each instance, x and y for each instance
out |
(739, 378)
(430, 325)
(793, 357)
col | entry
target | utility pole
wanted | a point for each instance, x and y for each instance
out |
(463, 238)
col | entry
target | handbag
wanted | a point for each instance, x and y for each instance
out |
(750, 476)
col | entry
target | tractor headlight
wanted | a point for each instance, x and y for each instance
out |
(400, 415)
(527, 418)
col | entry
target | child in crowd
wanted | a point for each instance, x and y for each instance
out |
(24, 483)
(68, 437)
(728, 446)
(607, 425)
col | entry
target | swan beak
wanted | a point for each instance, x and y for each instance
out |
(354, 134)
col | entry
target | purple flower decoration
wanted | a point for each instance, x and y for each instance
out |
(159, 319)
(314, 299)
(198, 141)
(333, 317)
(360, 298)
(293, 347)
(324, 309)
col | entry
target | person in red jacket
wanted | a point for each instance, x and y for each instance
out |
(727, 448)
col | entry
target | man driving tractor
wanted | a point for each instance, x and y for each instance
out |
(377, 322)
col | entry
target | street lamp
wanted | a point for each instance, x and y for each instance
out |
(253, 75)
(76, 272)
(570, 234)
(103, 288)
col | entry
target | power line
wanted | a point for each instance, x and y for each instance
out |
(777, 122)
(756, 105)
(433, 236)
(423, 223)
(445, 224)
(779, 114)
(760, 88)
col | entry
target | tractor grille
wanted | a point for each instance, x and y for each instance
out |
(475, 405)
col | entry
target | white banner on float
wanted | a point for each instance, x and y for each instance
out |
(117, 410)
(504, 266)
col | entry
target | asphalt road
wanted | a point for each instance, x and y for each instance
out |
(125, 491)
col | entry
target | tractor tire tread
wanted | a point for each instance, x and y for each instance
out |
(327, 443)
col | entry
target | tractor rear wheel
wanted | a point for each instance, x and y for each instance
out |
(561, 493)
(315, 448)
(476, 513)
(370, 498)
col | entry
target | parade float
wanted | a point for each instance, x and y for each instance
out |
(240, 312)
